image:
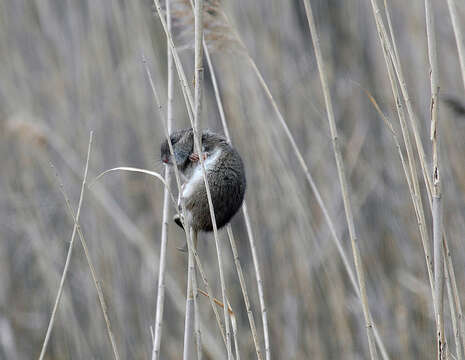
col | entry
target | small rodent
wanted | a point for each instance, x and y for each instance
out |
(225, 175)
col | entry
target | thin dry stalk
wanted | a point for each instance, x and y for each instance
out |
(131, 232)
(198, 79)
(101, 298)
(437, 200)
(198, 66)
(216, 89)
(438, 258)
(314, 189)
(176, 171)
(198, 335)
(312, 185)
(207, 285)
(386, 44)
(390, 57)
(261, 296)
(414, 173)
(198, 87)
(416, 195)
(455, 291)
(343, 181)
(320, 203)
(391, 30)
(220, 261)
(393, 53)
(216, 301)
(188, 353)
(233, 320)
(244, 292)
(137, 170)
(189, 102)
(392, 49)
(68, 257)
(458, 36)
(405, 166)
(161, 272)
(166, 208)
(177, 60)
(450, 278)
(236, 342)
(461, 53)
(453, 314)
(247, 219)
(412, 116)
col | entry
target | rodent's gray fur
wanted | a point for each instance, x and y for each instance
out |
(226, 177)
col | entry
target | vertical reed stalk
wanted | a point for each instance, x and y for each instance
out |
(342, 180)
(198, 84)
(230, 232)
(244, 292)
(395, 72)
(393, 53)
(176, 59)
(455, 292)
(429, 189)
(453, 314)
(319, 199)
(392, 50)
(451, 277)
(188, 353)
(198, 335)
(124, 224)
(189, 315)
(436, 181)
(261, 296)
(236, 342)
(68, 257)
(100, 295)
(176, 170)
(166, 207)
(198, 77)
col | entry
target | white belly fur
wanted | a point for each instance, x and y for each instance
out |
(196, 179)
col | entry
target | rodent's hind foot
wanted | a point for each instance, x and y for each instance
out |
(178, 220)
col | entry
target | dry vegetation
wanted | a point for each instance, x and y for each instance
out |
(68, 67)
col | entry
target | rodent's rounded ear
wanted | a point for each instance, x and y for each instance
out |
(187, 141)
(184, 147)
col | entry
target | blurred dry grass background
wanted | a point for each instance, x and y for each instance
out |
(70, 66)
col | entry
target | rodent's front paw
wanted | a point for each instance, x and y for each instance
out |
(194, 157)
